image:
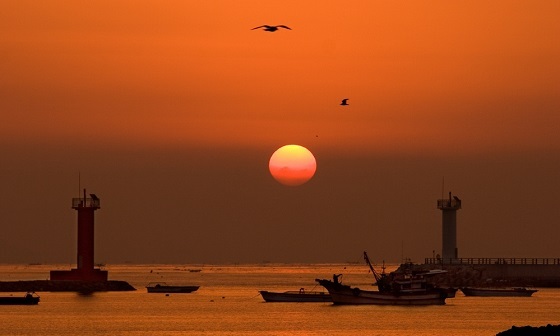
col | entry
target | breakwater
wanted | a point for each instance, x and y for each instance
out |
(64, 286)
(536, 272)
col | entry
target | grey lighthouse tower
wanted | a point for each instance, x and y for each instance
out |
(449, 209)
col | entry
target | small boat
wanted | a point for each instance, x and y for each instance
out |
(488, 291)
(27, 299)
(162, 287)
(296, 296)
(406, 290)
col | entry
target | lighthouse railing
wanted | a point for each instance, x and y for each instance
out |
(85, 202)
(449, 203)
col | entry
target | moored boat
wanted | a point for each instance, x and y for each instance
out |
(162, 287)
(401, 289)
(296, 296)
(487, 291)
(346, 295)
(27, 299)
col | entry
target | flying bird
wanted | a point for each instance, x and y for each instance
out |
(271, 29)
(344, 102)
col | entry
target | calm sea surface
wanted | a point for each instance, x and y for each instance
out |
(228, 303)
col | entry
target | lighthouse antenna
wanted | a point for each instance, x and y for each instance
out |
(442, 186)
(79, 187)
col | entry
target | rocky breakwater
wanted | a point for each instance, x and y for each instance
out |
(64, 286)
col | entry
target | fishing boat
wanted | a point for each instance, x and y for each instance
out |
(399, 289)
(487, 291)
(296, 296)
(162, 287)
(27, 299)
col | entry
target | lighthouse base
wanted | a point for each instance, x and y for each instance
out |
(80, 274)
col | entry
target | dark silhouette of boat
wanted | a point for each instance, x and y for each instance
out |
(488, 291)
(27, 299)
(296, 296)
(346, 295)
(162, 287)
(401, 289)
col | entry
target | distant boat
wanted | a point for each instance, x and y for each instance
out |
(27, 299)
(513, 291)
(162, 287)
(406, 290)
(296, 296)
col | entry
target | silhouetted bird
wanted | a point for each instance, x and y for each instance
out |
(271, 29)
(344, 102)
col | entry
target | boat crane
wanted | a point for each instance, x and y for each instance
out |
(382, 282)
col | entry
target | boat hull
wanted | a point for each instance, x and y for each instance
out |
(451, 292)
(502, 292)
(346, 295)
(295, 296)
(19, 300)
(172, 289)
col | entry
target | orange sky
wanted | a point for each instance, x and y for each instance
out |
(171, 110)
(187, 72)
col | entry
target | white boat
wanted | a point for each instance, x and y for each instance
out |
(487, 291)
(406, 289)
(296, 296)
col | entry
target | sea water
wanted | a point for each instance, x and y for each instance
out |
(228, 303)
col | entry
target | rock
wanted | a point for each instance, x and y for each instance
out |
(548, 330)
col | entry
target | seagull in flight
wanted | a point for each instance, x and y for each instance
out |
(271, 29)
(344, 102)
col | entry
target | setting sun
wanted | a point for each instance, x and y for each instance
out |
(292, 165)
